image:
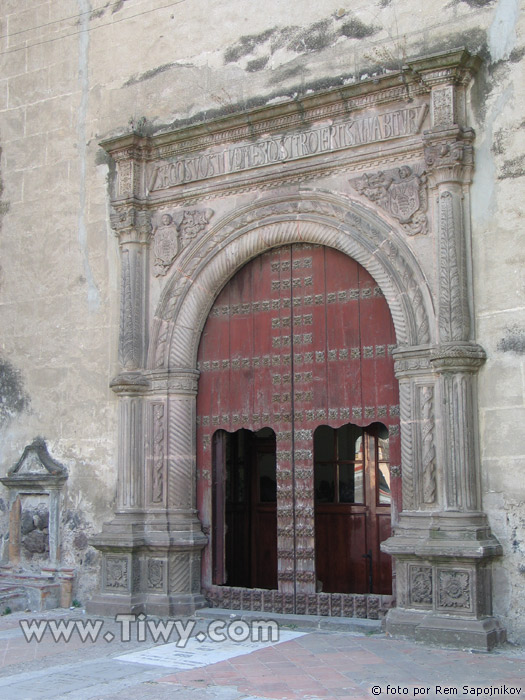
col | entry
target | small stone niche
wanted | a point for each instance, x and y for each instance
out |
(34, 529)
(35, 485)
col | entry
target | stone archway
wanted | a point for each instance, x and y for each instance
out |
(312, 217)
(404, 220)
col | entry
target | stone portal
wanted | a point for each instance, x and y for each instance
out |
(379, 171)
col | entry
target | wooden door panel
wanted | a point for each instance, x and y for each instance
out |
(265, 552)
(341, 546)
(382, 562)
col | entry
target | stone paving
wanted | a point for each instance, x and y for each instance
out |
(312, 664)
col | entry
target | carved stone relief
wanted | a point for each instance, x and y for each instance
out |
(421, 585)
(172, 232)
(360, 233)
(117, 573)
(156, 574)
(131, 310)
(443, 113)
(401, 192)
(427, 440)
(316, 141)
(454, 589)
(157, 480)
(454, 319)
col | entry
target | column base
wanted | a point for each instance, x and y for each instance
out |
(110, 605)
(445, 630)
(151, 567)
(443, 564)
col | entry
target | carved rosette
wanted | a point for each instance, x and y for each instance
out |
(454, 589)
(401, 192)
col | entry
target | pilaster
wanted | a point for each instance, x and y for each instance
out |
(152, 548)
(442, 543)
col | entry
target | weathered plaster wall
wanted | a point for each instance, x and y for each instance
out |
(75, 72)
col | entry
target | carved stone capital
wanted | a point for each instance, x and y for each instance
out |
(130, 153)
(411, 362)
(178, 381)
(129, 384)
(449, 155)
(131, 223)
(458, 357)
(455, 67)
(447, 78)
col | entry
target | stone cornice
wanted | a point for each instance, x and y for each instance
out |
(415, 79)
(448, 68)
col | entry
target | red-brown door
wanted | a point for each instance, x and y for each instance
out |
(300, 337)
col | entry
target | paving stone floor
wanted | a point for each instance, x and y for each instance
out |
(312, 664)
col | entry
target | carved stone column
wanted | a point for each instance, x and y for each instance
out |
(151, 550)
(121, 539)
(173, 532)
(442, 544)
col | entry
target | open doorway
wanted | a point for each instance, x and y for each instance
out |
(245, 509)
(352, 508)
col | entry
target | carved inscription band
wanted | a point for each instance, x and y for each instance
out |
(280, 149)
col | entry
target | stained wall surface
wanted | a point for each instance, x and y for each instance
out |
(76, 72)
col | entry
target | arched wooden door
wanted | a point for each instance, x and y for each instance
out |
(300, 338)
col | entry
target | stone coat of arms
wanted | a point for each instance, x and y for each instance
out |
(401, 192)
(170, 236)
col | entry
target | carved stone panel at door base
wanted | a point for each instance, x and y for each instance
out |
(117, 574)
(454, 590)
(156, 579)
(136, 577)
(420, 591)
(372, 607)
